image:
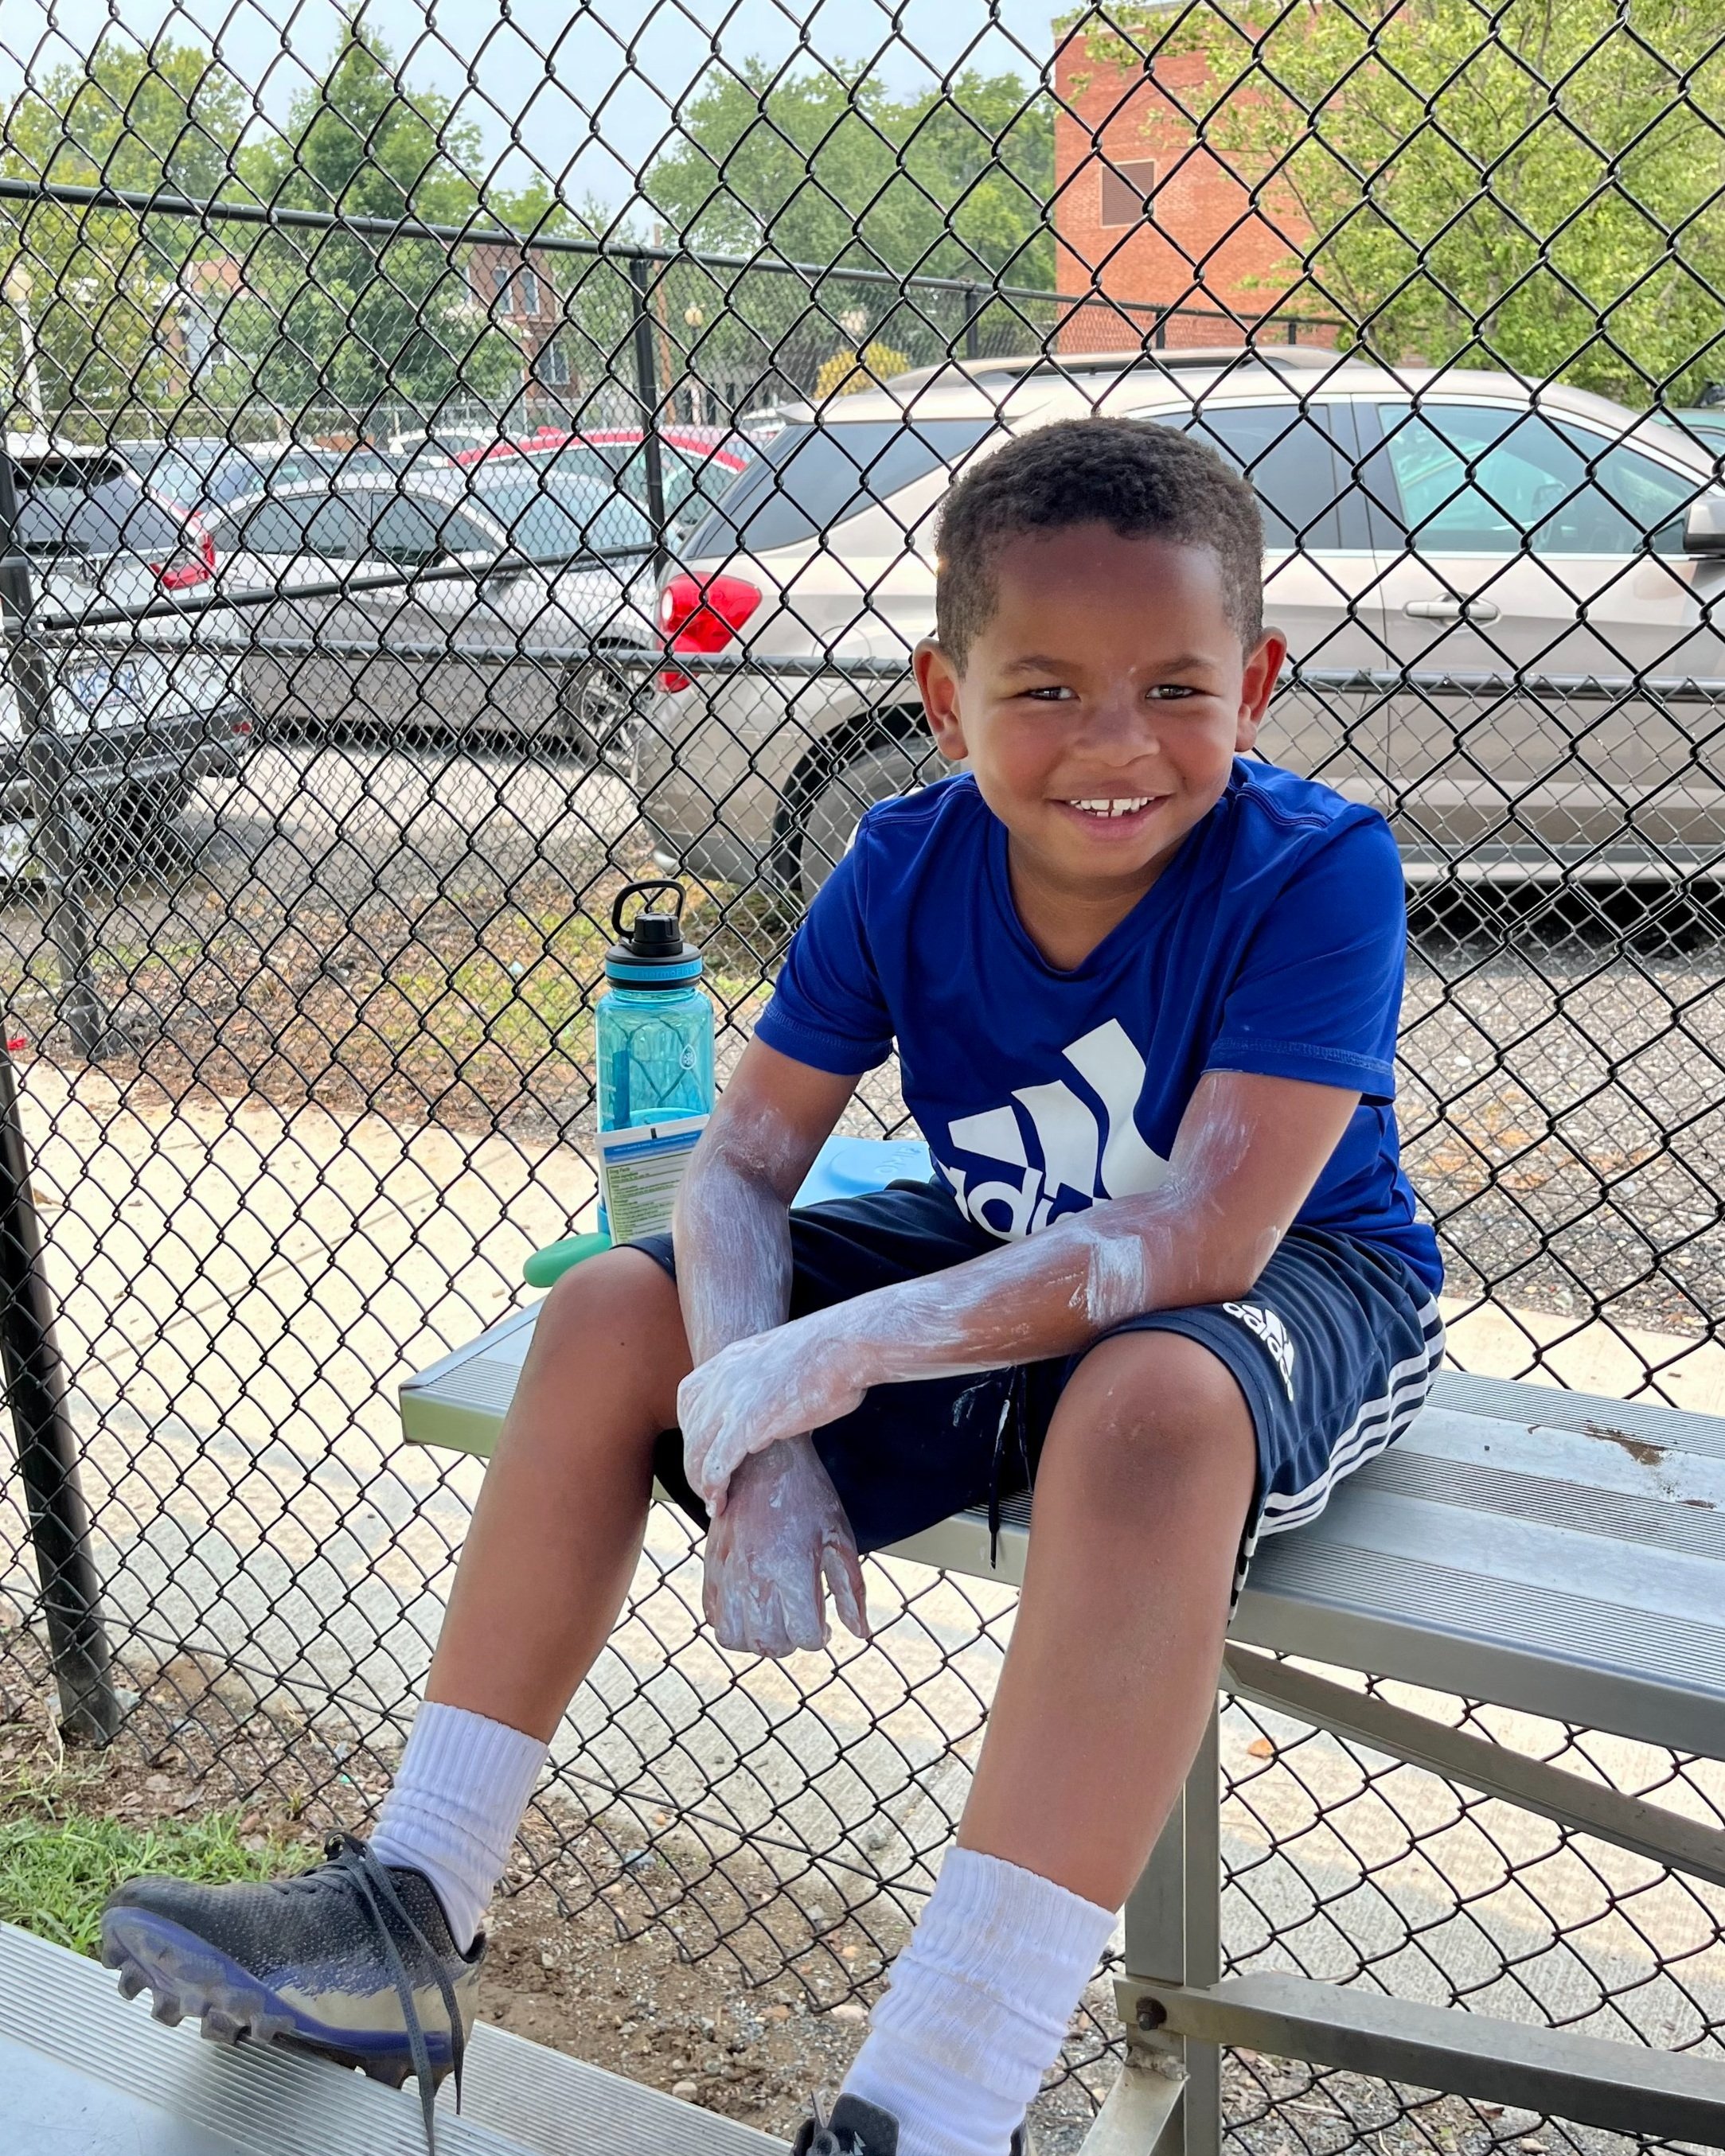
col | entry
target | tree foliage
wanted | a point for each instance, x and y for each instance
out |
(96, 283)
(341, 318)
(824, 168)
(1534, 183)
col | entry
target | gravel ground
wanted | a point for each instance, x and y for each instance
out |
(586, 1957)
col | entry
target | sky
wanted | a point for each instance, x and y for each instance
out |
(586, 93)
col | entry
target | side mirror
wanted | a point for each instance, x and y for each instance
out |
(1704, 526)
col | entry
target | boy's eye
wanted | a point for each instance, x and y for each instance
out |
(1167, 691)
(1051, 692)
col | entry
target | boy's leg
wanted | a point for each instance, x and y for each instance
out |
(544, 1570)
(1142, 1494)
(555, 1536)
(334, 1957)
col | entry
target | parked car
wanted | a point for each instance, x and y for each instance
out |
(598, 700)
(559, 552)
(555, 564)
(138, 725)
(1442, 536)
(209, 474)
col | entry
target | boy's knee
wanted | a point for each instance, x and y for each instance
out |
(619, 1308)
(1150, 1408)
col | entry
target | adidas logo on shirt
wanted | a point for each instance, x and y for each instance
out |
(1054, 1140)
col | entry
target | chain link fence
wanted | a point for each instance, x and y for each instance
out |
(383, 410)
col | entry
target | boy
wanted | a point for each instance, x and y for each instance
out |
(1145, 995)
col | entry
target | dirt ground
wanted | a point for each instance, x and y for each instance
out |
(723, 1985)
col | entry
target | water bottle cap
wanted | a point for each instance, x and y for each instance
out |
(649, 951)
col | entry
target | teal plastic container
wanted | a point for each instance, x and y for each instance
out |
(654, 1045)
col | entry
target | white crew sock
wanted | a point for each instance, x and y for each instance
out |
(454, 1806)
(977, 2006)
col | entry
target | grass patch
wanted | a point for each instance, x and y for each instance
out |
(59, 1862)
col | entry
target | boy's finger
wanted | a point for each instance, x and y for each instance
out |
(843, 1572)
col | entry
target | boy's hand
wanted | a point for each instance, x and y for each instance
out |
(783, 1531)
(750, 1394)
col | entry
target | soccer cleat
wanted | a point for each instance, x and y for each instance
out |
(857, 2129)
(349, 1960)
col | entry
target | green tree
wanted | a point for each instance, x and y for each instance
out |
(825, 167)
(341, 318)
(98, 283)
(1536, 183)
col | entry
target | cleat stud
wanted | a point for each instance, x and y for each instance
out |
(221, 2026)
(167, 2008)
(392, 2073)
(132, 1982)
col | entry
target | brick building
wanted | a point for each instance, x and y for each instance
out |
(1146, 213)
(514, 287)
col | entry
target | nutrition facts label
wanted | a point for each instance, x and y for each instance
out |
(639, 1170)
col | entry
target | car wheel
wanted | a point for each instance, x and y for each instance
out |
(879, 774)
(141, 821)
(596, 712)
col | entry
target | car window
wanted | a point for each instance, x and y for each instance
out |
(1290, 459)
(337, 529)
(583, 460)
(1475, 479)
(91, 511)
(267, 526)
(553, 515)
(808, 479)
(410, 534)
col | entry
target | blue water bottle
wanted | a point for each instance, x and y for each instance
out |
(654, 1044)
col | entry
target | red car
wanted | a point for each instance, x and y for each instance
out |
(615, 455)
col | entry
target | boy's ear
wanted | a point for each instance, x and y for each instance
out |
(1263, 663)
(937, 677)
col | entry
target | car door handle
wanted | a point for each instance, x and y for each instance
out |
(1453, 609)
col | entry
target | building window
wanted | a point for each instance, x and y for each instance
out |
(552, 364)
(1126, 190)
(502, 275)
(527, 291)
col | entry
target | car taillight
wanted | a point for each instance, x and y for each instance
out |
(697, 616)
(195, 564)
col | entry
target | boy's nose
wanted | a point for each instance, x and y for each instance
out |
(1120, 725)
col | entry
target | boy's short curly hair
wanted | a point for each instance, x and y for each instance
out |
(1143, 481)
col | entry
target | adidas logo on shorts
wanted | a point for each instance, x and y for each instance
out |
(1273, 1334)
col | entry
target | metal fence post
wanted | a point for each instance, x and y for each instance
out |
(647, 395)
(972, 322)
(47, 1448)
(45, 765)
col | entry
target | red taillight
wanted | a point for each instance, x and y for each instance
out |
(197, 565)
(694, 616)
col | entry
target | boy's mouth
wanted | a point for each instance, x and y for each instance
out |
(1118, 816)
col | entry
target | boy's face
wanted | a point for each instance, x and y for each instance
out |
(1102, 708)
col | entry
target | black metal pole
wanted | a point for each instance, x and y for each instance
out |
(972, 322)
(647, 394)
(45, 766)
(47, 1448)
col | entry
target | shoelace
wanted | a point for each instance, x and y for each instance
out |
(376, 1893)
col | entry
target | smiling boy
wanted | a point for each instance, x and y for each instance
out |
(1144, 994)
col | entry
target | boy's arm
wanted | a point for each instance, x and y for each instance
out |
(1248, 1151)
(784, 1528)
(732, 1223)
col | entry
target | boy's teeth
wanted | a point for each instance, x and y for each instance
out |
(1112, 808)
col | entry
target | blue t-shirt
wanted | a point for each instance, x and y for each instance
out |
(1274, 941)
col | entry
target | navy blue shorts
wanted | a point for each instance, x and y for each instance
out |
(1334, 1350)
